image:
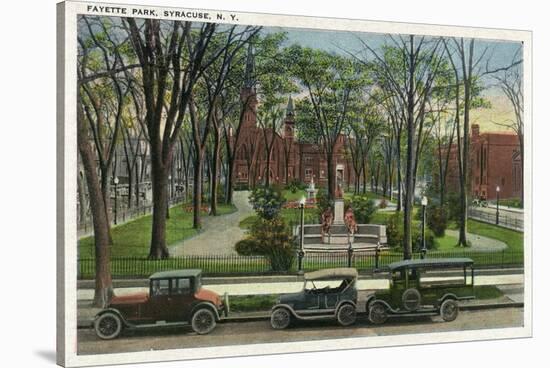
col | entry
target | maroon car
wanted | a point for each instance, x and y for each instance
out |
(174, 298)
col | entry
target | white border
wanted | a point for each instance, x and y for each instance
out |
(67, 163)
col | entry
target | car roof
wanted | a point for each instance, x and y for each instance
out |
(176, 274)
(431, 262)
(332, 273)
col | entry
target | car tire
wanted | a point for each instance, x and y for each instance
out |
(378, 313)
(203, 321)
(280, 318)
(449, 310)
(108, 326)
(411, 299)
(347, 315)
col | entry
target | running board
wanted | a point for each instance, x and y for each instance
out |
(161, 324)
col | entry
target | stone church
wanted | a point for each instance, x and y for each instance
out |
(289, 159)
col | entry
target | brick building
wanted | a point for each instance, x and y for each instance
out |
(289, 159)
(495, 160)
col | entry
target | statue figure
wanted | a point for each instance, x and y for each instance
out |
(349, 220)
(326, 222)
(339, 185)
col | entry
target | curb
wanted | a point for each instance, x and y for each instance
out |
(144, 282)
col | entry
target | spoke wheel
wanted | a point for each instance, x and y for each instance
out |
(108, 326)
(346, 315)
(378, 314)
(203, 321)
(449, 310)
(280, 318)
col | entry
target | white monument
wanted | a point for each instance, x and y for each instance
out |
(311, 191)
(339, 198)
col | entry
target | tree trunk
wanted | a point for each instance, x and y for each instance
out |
(197, 188)
(214, 179)
(159, 179)
(103, 290)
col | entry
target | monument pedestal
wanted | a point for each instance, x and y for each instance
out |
(338, 211)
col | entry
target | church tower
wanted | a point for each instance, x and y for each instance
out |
(289, 120)
(248, 91)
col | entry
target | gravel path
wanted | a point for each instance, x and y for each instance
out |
(219, 233)
(480, 243)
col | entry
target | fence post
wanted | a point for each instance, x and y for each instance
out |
(350, 253)
(377, 257)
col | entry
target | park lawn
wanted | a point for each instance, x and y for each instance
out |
(512, 238)
(251, 303)
(291, 197)
(132, 239)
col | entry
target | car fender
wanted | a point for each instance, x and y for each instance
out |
(115, 311)
(285, 306)
(370, 299)
(342, 302)
(445, 297)
(384, 303)
(209, 305)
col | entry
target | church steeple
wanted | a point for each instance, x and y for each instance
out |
(290, 107)
(249, 69)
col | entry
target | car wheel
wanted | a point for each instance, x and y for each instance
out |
(378, 314)
(280, 318)
(203, 321)
(108, 326)
(449, 310)
(346, 315)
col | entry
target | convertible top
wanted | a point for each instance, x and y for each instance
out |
(332, 273)
(432, 262)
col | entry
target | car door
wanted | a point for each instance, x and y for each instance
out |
(181, 299)
(158, 307)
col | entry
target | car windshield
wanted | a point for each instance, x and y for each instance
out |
(326, 285)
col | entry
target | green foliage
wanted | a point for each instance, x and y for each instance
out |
(247, 247)
(295, 185)
(394, 232)
(452, 203)
(271, 238)
(267, 201)
(436, 219)
(323, 201)
(363, 208)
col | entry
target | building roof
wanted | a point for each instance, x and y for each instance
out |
(332, 273)
(431, 262)
(175, 274)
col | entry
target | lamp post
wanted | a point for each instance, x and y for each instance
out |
(115, 182)
(498, 193)
(301, 253)
(424, 204)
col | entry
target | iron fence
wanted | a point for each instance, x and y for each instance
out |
(504, 219)
(131, 267)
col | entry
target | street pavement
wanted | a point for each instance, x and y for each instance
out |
(231, 333)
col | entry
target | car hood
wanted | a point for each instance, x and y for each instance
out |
(134, 298)
(208, 295)
(291, 298)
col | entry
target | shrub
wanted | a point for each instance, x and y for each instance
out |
(436, 218)
(383, 203)
(295, 185)
(266, 201)
(363, 208)
(247, 247)
(394, 232)
(271, 238)
(452, 203)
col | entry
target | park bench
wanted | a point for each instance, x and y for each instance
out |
(367, 237)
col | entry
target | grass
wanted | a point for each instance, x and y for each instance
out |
(251, 303)
(291, 217)
(487, 292)
(132, 239)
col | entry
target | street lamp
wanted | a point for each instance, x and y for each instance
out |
(498, 192)
(301, 253)
(115, 182)
(424, 204)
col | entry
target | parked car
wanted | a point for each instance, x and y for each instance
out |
(417, 289)
(327, 294)
(174, 298)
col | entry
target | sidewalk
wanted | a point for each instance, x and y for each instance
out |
(263, 288)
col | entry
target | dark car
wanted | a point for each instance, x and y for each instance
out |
(174, 298)
(417, 288)
(327, 294)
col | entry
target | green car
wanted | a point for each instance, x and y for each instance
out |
(423, 287)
